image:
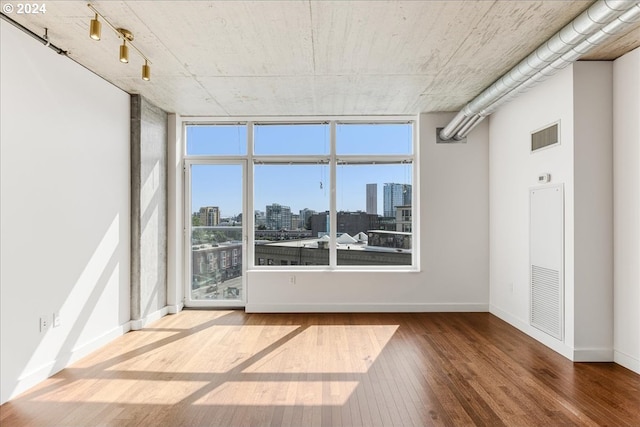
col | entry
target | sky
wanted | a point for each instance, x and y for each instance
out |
(296, 186)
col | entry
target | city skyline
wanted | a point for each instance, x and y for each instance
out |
(404, 201)
(299, 186)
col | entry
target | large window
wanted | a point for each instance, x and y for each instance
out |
(374, 185)
(215, 231)
(286, 198)
(371, 197)
(288, 140)
(217, 140)
(328, 193)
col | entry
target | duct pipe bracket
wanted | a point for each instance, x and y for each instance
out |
(439, 140)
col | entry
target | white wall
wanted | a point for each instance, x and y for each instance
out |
(64, 211)
(453, 199)
(513, 170)
(626, 98)
(175, 215)
(593, 212)
(579, 97)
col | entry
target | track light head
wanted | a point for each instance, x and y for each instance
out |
(146, 71)
(95, 28)
(126, 35)
(124, 52)
(122, 33)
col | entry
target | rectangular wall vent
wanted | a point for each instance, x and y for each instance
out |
(544, 138)
(546, 312)
(546, 253)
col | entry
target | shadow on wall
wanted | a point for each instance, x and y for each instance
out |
(152, 244)
(149, 208)
(86, 312)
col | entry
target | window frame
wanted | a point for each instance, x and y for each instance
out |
(333, 160)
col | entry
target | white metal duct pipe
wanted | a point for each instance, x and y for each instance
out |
(620, 24)
(591, 20)
(625, 20)
(466, 128)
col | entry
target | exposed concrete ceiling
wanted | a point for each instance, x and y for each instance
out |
(271, 58)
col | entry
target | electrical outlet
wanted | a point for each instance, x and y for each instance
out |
(292, 279)
(44, 324)
(56, 319)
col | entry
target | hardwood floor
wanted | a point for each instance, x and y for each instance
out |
(228, 368)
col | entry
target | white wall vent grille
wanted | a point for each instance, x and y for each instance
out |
(545, 300)
(544, 137)
(546, 253)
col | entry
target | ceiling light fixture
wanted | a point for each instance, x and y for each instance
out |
(146, 71)
(95, 28)
(124, 52)
(125, 35)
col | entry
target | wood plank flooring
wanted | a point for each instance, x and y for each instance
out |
(229, 368)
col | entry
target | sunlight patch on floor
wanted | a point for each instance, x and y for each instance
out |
(217, 349)
(144, 392)
(327, 349)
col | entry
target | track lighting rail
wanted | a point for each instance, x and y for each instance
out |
(122, 33)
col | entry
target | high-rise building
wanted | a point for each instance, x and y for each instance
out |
(295, 222)
(372, 199)
(403, 218)
(351, 223)
(395, 195)
(305, 215)
(209, 216)
(278, 217)
(260, 218)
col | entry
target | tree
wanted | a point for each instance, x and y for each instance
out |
(197, 236)
(219, 236)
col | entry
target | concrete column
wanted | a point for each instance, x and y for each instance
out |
(148, 211)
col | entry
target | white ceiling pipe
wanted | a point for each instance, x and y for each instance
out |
(572, 34)
(591, 20)
(466, 128)
(625, 20)
(620, 24)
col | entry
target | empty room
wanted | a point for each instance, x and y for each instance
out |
(320, 213)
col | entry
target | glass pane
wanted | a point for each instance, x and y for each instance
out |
(291, 139)
(216, 232)
(218, 140)
(374, 204)
(371, 139)
(291, 217)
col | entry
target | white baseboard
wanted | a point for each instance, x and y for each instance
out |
(175, 309)
(138, 324)
(551, 342)
(627, 361)
(593, 355)
(64, 359)
(364, 308)
(573, 354)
